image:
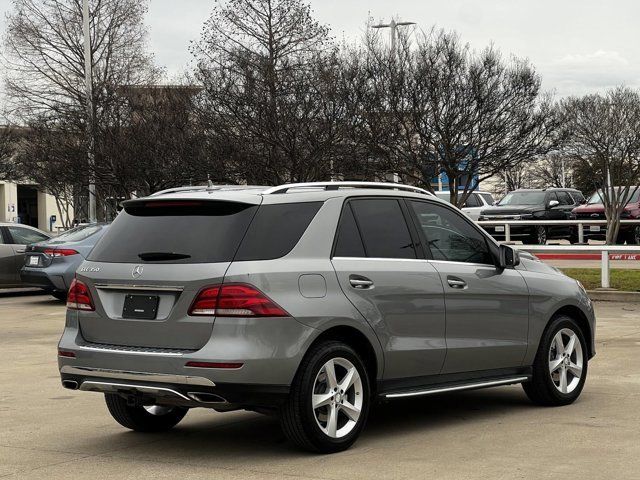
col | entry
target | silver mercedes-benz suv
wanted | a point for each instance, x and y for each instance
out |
(312, 301)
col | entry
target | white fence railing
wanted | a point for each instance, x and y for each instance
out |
(557, 223)
(603, 250)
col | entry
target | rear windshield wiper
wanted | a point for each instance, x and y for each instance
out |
(160, 256)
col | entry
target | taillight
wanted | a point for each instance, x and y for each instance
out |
(60, 252)
(235, 300)
(79, 297)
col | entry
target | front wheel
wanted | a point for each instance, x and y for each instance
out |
(153, 418)
(560, 366)
(329, 399)
(537, 237)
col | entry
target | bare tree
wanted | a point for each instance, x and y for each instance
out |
(553, 170)
(603, 133)
(448, 109)
(44, 58)
(7, 140)
(272, 91)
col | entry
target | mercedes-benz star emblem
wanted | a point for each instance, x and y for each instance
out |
(137, 271)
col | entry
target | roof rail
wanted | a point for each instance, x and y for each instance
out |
(337, 185)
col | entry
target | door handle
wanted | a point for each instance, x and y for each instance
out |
(456, 282)
(21, 251)
(359, 282)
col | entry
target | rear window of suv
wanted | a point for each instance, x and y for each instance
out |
(175, 232)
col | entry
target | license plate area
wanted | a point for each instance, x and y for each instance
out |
(34, 261)
(499, 229)
(594, 228)
(141, 307)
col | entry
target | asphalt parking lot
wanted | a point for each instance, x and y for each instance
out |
(48, 432)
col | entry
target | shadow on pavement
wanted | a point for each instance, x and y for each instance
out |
(21, 292)
(221, 440)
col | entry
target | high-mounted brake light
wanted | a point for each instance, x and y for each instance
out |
(235, 300)
(172, 204)
(79, 297)
(60, 252)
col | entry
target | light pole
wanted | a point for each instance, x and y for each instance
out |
(393, 26)
(88, 77)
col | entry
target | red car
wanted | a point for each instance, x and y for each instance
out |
(594, 210)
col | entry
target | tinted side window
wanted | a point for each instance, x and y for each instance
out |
(275, 230)
(564, 198)
(577, 197)
(384, 230)
(472, 201)
(348, 240)
(25, 236)
(449, 235)
(488, 198)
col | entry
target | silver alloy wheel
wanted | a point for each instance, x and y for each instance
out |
(337, 397)
(565, 360)
(158, 410)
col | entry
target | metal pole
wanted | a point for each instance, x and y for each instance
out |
(88, 76)
(580, 233)
(393, 27)
(604, 270)
(564, 178)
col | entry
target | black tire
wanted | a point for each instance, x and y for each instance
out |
(632, 236)
(541, 389)
(59, 295)
(139, 419)
(538, 237)
(297, 416)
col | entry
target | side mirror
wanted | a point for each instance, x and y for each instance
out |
(508, 257)
(553, 203)
(583, 201)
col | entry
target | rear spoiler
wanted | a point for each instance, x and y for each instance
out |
(185, 201)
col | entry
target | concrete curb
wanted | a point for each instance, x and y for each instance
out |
(614, 296)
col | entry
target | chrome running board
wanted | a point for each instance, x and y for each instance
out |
(454, 388)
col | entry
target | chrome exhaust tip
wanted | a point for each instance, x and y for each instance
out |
(202, 397)
(70, 384)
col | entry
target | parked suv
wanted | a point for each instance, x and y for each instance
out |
(546, 204)
(594, 210)
(475, 203)
(311, 301)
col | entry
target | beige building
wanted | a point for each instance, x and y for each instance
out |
(24, 203)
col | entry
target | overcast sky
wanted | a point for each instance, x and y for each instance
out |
(579, 46)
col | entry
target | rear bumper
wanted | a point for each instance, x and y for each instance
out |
(270, 351)
(182, 390)
(38, 277)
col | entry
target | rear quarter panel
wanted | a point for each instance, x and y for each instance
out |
(305, 284)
